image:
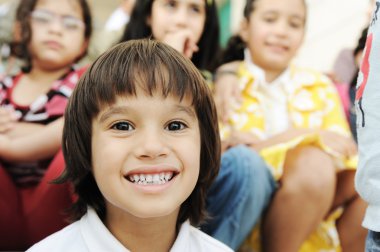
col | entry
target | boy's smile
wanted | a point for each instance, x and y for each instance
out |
(146, 154)
(152, 179)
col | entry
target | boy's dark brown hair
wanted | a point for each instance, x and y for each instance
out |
(157, 69)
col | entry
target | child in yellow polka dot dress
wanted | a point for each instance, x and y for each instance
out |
(294, 118)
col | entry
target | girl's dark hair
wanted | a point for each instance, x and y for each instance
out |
(209, 50)
(361, 42)
(20, 47)
(250, 5)
(359, 48)
(157, 69)
(233, 51)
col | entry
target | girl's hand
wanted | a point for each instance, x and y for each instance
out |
(127, 6)
(238, 138)
(4, 143)
(7, 119)
(343, 145)
(227, 90)
(182, 41)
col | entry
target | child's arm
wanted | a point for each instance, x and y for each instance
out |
(41, 144)
(12, 128)
(21, 129)
(226, 88)
(7, 120)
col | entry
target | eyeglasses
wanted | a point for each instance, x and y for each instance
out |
(44, 17)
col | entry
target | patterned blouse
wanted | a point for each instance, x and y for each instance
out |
(45, 109)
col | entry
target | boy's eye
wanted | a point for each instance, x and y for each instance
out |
(175, 126)
(124, 126)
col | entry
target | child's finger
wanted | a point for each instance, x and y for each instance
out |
(190, 48)
(4, 127)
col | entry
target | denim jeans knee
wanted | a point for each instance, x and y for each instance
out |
(372, 242)
(238, 197)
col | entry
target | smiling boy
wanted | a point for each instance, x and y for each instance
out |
(141, 143)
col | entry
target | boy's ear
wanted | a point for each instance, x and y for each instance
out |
(244, 34)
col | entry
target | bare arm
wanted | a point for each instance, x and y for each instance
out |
(41, 144)
(10, 127)
(226, 90)
(20, 129)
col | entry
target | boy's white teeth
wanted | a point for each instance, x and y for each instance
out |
(151, 179)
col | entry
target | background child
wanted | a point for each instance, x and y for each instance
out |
(50, 36)
(244, 186)
(191, 27)
(162, 163)
(301, 131)
(367, 111)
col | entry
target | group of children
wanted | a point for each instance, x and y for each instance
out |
(275, 172)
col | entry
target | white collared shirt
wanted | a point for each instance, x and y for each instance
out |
(89, 234)
(273, 97)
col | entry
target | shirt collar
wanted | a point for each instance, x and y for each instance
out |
(98, 238)
(283, 80)
(96, 235)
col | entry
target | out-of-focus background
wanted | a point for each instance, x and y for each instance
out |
(332, 26)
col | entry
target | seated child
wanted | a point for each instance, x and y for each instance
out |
(294, 118)
(50, 37)
(142, 146)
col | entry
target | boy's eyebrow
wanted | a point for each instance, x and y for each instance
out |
(187, 110)
(113, 111)
(124, 109)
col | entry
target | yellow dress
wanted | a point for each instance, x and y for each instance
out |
(312, 103)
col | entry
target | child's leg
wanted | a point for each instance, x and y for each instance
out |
(351, 233)
(372, 242)
(238, 196)
(12, 226)
(44, 205)
(302, 201)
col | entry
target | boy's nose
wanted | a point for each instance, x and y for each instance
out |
(151, 145)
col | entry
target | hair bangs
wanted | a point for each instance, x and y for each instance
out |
(133, 72)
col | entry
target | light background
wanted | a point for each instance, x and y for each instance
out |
(332, 26)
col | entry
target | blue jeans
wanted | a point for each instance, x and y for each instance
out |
(238, 197)
(373, 242)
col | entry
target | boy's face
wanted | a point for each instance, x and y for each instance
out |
(146, 155)
(274, 32)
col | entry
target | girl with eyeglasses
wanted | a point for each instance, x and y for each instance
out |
(50, 36)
